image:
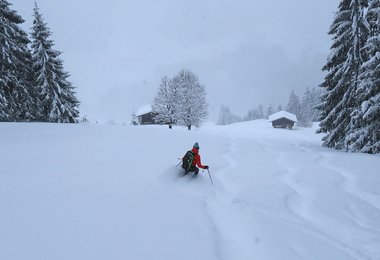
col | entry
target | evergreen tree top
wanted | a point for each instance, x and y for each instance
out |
(10, 20)
(8, 14)
(58, 101)
(40, 30)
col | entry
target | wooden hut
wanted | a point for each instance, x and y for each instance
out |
(283, 119)
(145, 115)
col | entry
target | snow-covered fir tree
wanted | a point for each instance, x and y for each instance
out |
(310, 101)
(307, 109)
(252, 114)
(166, 104)
(226, 117)
(349, 31)
(294, 105)
(16, 100)
(57, 101)
(364, 135)
(270, 111)
(248, 116)
(315, 94)
(261, 111)
(193, 105)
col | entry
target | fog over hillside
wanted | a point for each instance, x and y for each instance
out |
(245, 52)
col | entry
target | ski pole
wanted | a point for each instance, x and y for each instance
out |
(210, 177)
(179, 162)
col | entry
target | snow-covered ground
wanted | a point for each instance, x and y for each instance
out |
(92, 191)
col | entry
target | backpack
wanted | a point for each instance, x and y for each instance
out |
(187, 160)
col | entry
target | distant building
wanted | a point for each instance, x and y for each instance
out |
(283, 119)
(145, 115)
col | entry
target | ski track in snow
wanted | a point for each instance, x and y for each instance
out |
(222, 198)
(305, 198)
(349, 182)
(220, 194)
(299, 203)
(269, 201)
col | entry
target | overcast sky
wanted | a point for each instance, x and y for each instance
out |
(245, 52)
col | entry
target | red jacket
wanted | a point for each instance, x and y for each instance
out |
(197, 159)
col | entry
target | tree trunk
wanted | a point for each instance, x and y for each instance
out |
(170, 126)
(189, 127)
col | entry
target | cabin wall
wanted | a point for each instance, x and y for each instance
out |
(146, 119)
(283, 123)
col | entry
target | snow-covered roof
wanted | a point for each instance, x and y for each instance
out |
(281, 114)
(144, 110)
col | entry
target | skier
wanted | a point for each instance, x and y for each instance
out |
(192, 159)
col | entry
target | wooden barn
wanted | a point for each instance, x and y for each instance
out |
(283, 119)
(145, 115)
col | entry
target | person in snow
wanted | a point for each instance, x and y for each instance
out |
(192, 159)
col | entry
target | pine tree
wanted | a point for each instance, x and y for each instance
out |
(166, 103)
(349, 31)
(249, 115)
(252, 114)
(3, 102)
(16, 101)
(294, 105)
(304, 118)
(261, 112)
(307, 109)
(226, 117)
(315, 99)
(364, 135)
(270, 111)
(193, 105)
(56, 97)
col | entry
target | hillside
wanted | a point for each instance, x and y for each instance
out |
(92, 191)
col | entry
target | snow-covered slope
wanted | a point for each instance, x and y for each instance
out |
(113, 192)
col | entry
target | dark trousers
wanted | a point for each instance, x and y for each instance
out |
(193, 169)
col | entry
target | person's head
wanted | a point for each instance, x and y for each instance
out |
(196, 146)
